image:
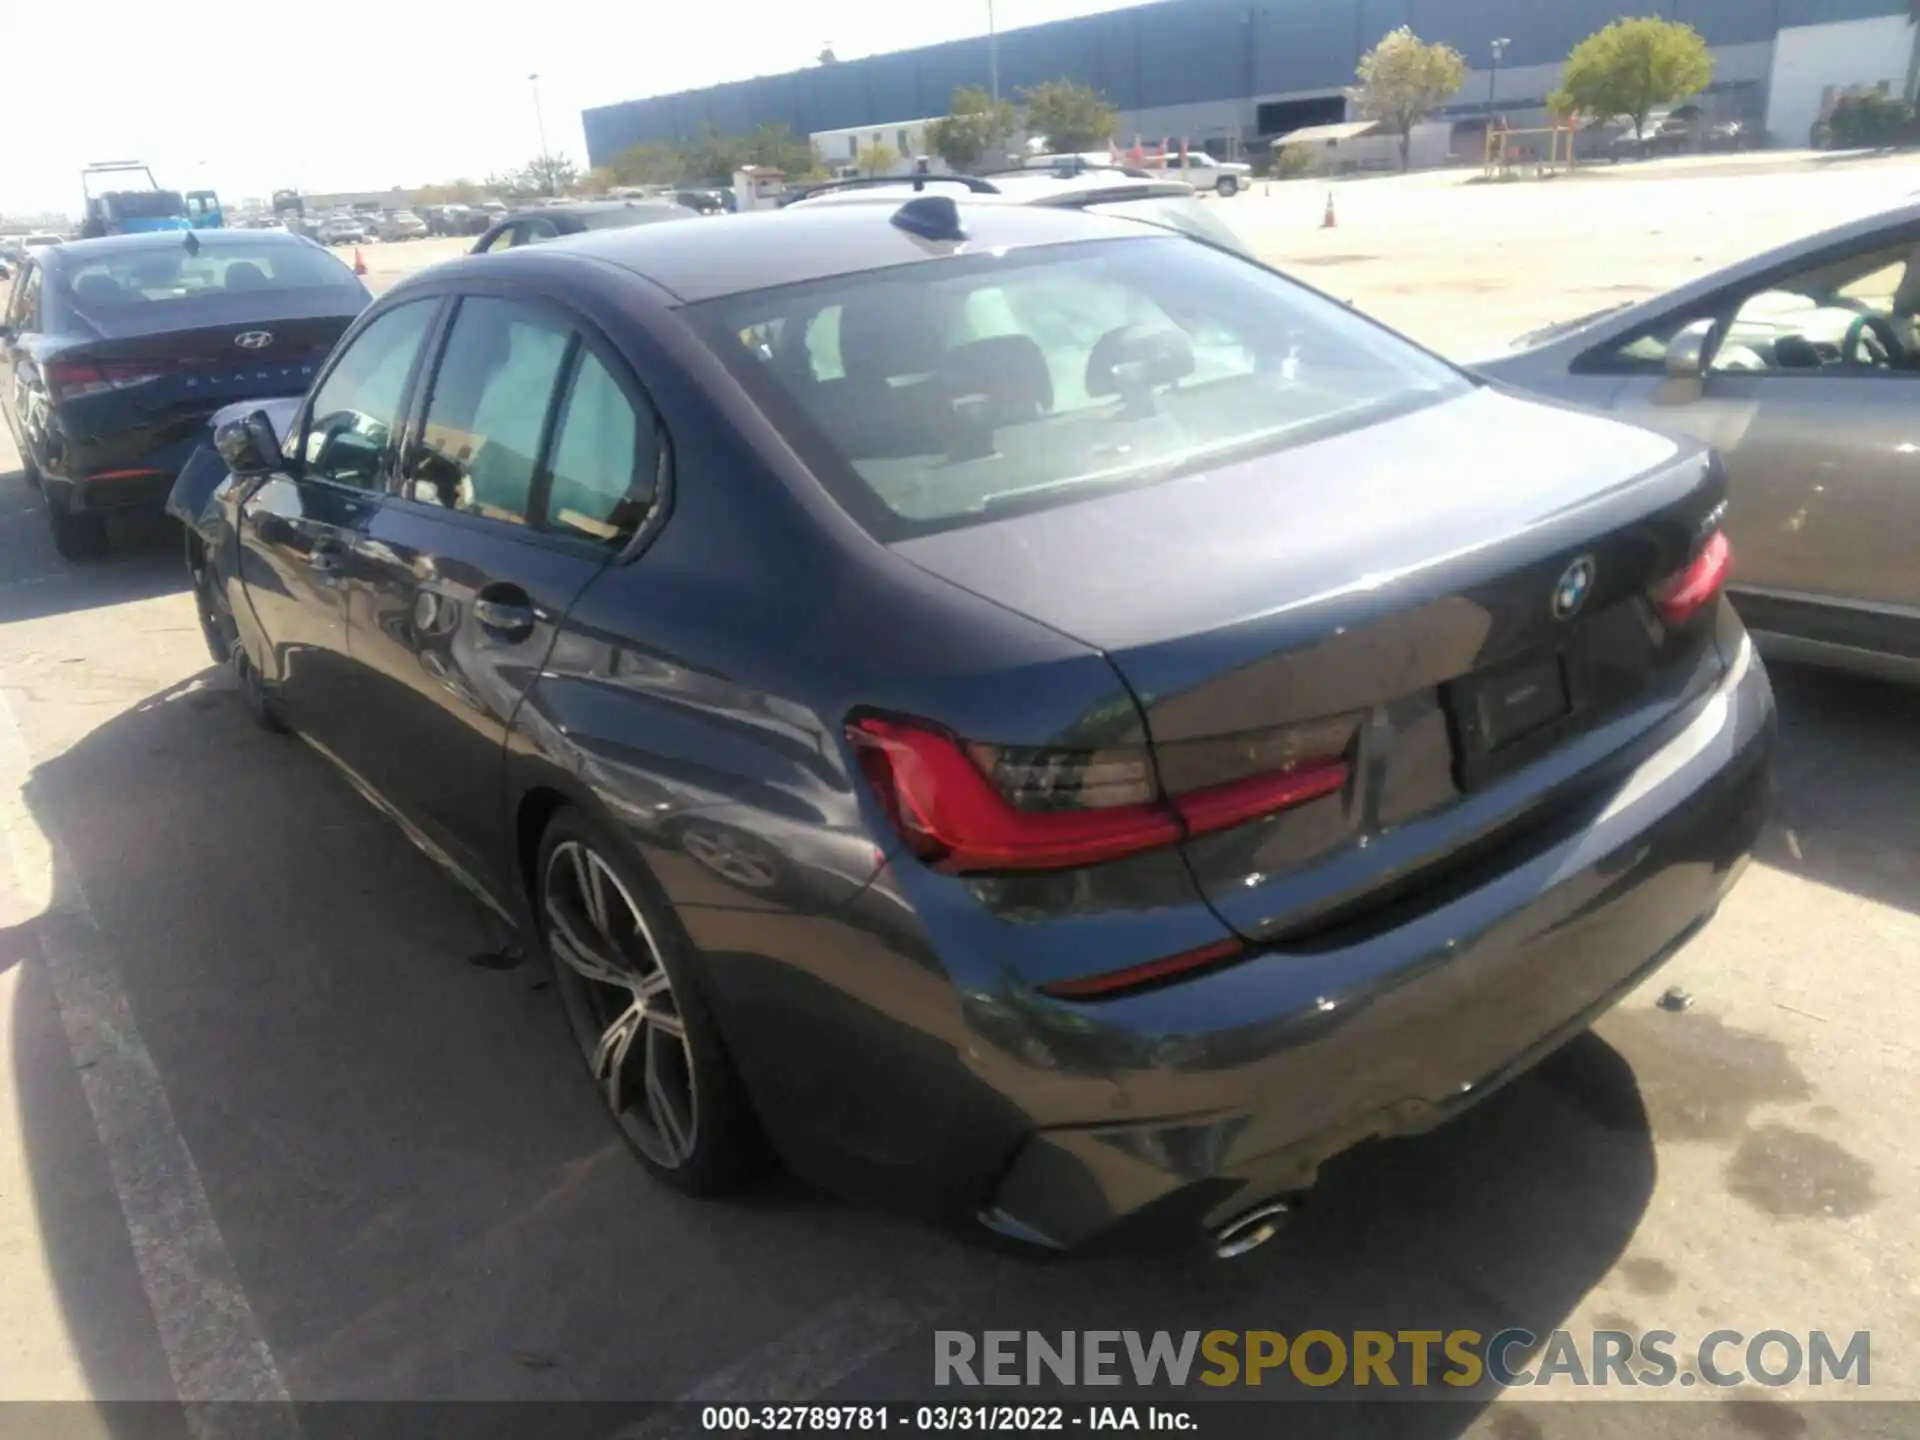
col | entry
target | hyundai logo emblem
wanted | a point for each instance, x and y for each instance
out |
(254, 340)
(1570, 590)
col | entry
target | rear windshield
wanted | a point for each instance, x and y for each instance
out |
(171, 275)
(1176, 212)
(942, 394)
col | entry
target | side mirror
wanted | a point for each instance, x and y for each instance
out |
(1687, 351)
(248, 444)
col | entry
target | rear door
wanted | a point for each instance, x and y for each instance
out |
(298, 527)
(530, 462)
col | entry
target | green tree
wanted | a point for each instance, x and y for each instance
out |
(876, 159)
(1072, 117)
(1403, 79)
(1630, 67)
(549, 175)
(449, 192)
(976, 127)
(649, 164)
(778, 148)
(711, 157)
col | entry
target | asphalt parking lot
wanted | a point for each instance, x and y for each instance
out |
(266, 1129)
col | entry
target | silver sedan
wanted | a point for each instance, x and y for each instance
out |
(1802, 367)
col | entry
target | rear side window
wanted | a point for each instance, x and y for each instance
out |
(606, 459)
(479, 449)
(951, 392)
(173, 275)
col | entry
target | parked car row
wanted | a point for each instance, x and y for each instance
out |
(912, 659)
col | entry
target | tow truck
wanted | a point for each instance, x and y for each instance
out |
(116, 205)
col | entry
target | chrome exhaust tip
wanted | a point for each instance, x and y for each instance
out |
(1248, 1232)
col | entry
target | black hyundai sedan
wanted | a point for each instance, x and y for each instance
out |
(115, 352)
(1002, 706)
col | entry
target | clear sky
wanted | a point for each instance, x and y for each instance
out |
(249, 96)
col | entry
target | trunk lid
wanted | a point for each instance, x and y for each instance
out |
(138, 380)
(1387, 595)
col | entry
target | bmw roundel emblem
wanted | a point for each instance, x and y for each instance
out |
(1570, 590)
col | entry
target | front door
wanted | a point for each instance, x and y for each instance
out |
(518, 485)
(299, 528)
(1812, 397)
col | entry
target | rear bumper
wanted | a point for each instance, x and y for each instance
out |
(1240, 1084)
(133, 471)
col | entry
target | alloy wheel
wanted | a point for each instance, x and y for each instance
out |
(621, 1004)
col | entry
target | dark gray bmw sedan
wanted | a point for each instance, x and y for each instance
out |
(999, 706)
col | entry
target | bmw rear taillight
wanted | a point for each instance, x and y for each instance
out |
(1693, 588)
(77, 379)
(969, 808)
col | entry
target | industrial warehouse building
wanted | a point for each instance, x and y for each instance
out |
(1228, 74)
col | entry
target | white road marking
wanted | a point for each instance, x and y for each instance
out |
(213, 1344)
(836, 1343)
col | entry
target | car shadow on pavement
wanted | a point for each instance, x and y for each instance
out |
(421, 1197)
(1846, 808)
(143, 561)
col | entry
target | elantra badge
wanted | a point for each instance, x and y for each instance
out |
(1570, 590)
(254, 339)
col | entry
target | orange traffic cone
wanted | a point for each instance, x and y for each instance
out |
(360, 266)
(1327, 222)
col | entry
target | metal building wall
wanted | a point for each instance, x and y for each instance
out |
(1176, 53)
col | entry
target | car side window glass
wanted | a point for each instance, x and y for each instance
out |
(1644, 353)
(606, 459)
(14, 291)
(537, 230)
(26, 313)
(1845, 317)
(358, 404)
(486, 415)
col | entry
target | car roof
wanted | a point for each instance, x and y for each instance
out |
(705, 259)
(78, 251)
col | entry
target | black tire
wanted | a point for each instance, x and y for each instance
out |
(255, 694)
(215, 626)
(80, 536)
(697, 1132)
(1229, 186)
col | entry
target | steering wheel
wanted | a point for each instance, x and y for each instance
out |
(1872, 340)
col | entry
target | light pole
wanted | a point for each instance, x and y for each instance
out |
(539, 120)
(1493, 75)
(993, 59)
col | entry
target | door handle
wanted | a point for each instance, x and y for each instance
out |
(505, 612)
